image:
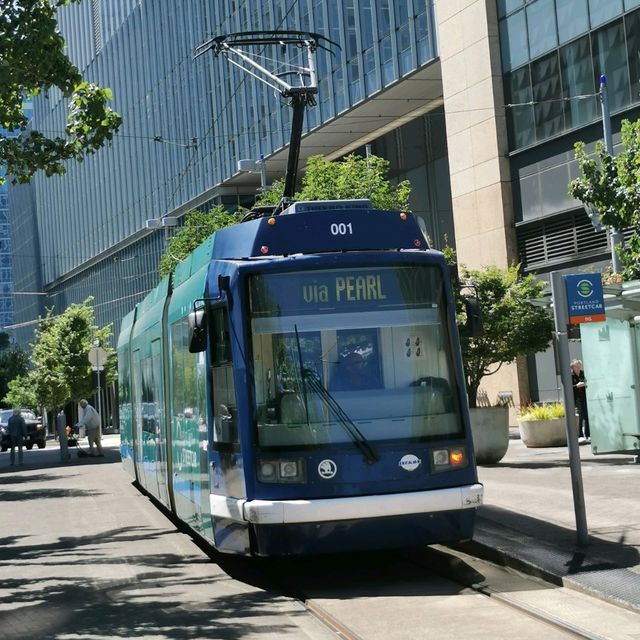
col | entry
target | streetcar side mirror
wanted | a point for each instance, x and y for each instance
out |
(197, 331)
(472, 328)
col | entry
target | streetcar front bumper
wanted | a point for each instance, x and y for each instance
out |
(265, 512)
(300, 527)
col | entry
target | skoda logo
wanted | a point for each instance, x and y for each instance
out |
(585, 288)
(327, 469)
(409, 462)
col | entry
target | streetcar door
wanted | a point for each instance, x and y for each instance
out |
(227, 472)
(136, 418)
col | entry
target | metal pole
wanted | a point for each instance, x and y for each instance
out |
(263, 174)
(561, 318)
(617, 240)
(96, 344)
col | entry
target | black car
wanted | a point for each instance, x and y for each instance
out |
(36, 432)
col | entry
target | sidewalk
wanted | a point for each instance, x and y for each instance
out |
(83, 554)
(528, 520)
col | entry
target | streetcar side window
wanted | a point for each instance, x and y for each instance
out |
(225, 427)
(189, 378)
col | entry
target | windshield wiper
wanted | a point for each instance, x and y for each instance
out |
(313, 382)
(310, 379)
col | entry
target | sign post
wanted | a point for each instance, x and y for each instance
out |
(561, 319)
(97, 358)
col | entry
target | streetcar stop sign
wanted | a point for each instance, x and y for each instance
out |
(97, 358)
(585, 299)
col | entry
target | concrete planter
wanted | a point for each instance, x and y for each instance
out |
(490, 431)
(543, 433)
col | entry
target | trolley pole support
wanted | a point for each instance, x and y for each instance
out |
(236, 47)
(561, 318)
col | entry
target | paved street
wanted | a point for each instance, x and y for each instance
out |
(85, 555)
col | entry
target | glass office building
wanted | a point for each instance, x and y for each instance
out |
(187, 122)
(478, 104)
(553, 55)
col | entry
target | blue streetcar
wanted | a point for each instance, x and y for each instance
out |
(296, 387)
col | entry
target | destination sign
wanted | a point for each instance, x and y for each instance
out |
(344, 290)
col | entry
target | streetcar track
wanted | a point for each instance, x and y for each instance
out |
(443, 562)
(456, 569)
(536, 613)
(321, 614)
(452, 568)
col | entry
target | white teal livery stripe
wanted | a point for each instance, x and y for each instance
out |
(329, 510)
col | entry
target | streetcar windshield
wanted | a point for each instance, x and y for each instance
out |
(340, 348)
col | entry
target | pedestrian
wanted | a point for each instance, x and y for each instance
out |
(61, 428)
(580, 397)
(91, 421)
(17, 429)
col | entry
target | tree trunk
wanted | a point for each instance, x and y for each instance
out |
(472, 391)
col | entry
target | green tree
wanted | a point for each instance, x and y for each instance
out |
(61, 370)
(352, 177)
(20, 394)
(198, 226)
(611, 184)
(33, 61)
(512, 326)
(14, 363)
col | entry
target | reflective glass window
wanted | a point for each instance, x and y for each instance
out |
(513, 41)
(384, 24)
(610, 59)
(541, 25)
(577, 80)
(573, 19)
(630, 4)
(632, 23)
(603, 10)
(519, 113)
(507, 6)
(366, 24)
(546, 90)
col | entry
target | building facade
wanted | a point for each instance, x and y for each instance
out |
(477, 102)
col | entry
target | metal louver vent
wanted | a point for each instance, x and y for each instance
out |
(562, 238)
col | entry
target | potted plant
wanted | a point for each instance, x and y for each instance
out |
(543, 425)
(512, 328)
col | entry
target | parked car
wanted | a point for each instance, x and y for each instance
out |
(36, 432)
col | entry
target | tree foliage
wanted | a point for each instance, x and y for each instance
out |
(198, 226)
(20, 394)
(61, 371)
(611, 184)
(14, 363)
(513, 327)
(33, 61)
(352, 177)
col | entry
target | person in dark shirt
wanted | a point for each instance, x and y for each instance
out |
(17, 429)
(580, 397)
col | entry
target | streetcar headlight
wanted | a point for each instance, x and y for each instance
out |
(448, 458)
(281, 471)
(267, 470)
(289, 469)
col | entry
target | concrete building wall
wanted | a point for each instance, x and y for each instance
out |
(478, 152)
